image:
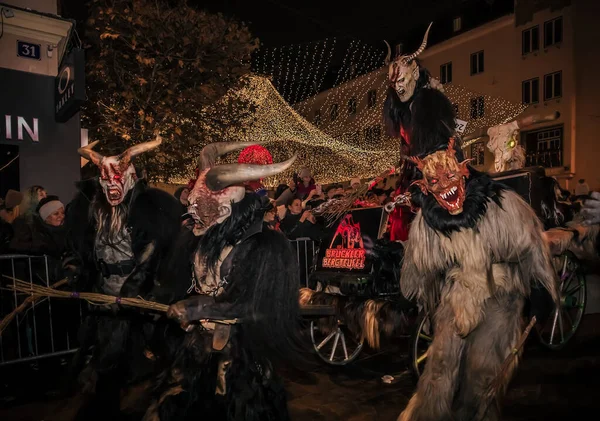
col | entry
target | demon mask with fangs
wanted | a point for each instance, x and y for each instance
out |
(117, 174)
(403, 72)
(444, 177)
(217, 187)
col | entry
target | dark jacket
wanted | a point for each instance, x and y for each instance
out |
(293, 228)
(33, 236)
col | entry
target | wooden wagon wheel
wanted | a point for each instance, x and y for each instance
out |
(564, 320)
(338, 347)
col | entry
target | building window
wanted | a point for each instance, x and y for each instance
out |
(371, 98)
(553, 32)
(477, 107)
(544, 147)
(446, 73)
(552, 86)
(531, 40)
(478, 153)
(317, 119)
(373, 133)
(352, 106)
(457, 24)
(531, 91)
(477, 63)
(333, 112)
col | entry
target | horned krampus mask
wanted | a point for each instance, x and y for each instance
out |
(508, 154)
(117, 174)
(403, 72)
(217, 187)
(444, 177)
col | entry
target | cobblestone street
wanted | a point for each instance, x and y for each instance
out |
(550, 385)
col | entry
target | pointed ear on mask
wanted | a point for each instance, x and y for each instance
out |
(421, 184)
(415, 70)
(464, 169)
(224, 213)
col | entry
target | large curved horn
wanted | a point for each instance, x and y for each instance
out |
(389, 53)
(421, 48)
(223, 176)
(537, 118)
(88, 153)
(136, 150)
(212, 151)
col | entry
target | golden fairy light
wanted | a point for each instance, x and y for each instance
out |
(285, 132)
(351, 145)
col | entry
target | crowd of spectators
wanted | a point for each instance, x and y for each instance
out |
(32, 223)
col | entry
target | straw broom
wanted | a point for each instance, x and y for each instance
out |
(29, 300)
(38, 291)
(91, 297)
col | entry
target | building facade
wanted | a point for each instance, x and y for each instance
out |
(41, 81)
(541, 56)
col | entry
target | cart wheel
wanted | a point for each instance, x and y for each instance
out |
(564, 321)
(419, 345)
(339, 347)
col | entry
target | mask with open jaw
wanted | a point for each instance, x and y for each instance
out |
(404, 72)
(217, 187)
(444, 177)
(117, 174)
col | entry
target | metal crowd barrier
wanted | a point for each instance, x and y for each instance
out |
(49, 326)
(306, 250)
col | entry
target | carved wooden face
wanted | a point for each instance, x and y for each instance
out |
(117, 178)
(117, 174)
(503, 143)
(208, 207)
(444, 177)
(403, 76)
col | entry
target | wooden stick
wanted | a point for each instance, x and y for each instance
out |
(29, 300)
(38, 291)
(496, 384)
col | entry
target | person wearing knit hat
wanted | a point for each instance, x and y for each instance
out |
(51, 211)
(13, 199)
(11, 211)
(44, 233)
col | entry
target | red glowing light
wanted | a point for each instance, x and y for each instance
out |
(255, 154)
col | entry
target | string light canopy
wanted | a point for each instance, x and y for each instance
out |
(284, 132)
(347, 140)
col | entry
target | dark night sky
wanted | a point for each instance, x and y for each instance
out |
(283, 22)
(279, 23)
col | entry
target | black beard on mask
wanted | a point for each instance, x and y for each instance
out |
(243, 215)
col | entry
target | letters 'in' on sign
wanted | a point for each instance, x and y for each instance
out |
(29, 50)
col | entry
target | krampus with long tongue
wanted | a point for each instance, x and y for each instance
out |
(239, 309)
(120, 231)
(474, 252)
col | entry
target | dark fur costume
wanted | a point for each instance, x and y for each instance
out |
(118, 335)
(428, 118)
(261, 288)
(480, 191)
(424, 124)
(472, 273)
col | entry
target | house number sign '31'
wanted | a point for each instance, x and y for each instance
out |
(28, 50)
